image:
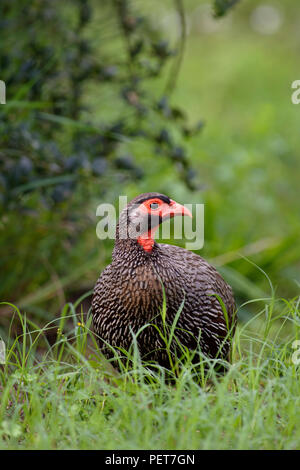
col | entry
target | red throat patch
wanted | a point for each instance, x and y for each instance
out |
(146, 243)
(146, 240)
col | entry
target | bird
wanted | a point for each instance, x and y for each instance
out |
(129, 295)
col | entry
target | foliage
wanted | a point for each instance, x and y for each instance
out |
(47, 143)
(222, 6)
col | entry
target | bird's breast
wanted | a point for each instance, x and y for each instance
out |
(139, 290)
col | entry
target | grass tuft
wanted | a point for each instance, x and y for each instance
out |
(65, 395)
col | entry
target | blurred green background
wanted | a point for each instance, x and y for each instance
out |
(109, 98)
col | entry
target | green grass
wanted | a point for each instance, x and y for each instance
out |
(65, 396)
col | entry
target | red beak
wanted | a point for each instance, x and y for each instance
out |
(176, 209)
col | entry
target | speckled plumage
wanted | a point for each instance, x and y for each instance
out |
(129, 294)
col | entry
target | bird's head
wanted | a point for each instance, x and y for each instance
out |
(143, 215)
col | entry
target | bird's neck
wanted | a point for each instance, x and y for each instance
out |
(138, 249)
(136, 245)
(146, 240)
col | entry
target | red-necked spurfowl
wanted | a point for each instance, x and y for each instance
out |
(129, 294)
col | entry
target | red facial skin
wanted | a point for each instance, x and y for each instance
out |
(165, 211)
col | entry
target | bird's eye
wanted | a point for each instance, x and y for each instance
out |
(154, 205)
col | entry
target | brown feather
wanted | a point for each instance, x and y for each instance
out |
(129, 295)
